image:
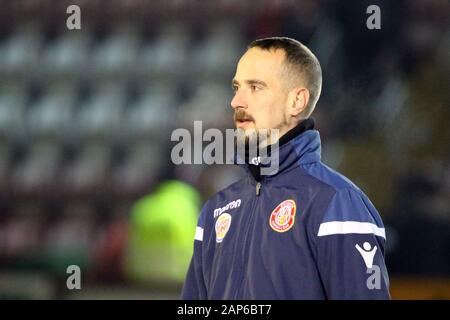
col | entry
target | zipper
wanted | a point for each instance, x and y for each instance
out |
(246, 239)
(258, 188)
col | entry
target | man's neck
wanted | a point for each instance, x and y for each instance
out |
(302, 126)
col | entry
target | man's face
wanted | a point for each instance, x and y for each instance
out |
(261, 99)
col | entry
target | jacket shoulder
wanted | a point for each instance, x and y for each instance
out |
(348, 202)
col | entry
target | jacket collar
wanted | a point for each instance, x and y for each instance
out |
(300, 145)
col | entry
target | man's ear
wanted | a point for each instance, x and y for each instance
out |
(299, 98)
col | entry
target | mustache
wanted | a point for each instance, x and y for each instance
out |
(241, 115)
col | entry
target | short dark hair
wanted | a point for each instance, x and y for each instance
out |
(302, 60)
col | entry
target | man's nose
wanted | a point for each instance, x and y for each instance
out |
(238, 101)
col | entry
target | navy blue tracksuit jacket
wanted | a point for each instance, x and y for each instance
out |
(306, 232)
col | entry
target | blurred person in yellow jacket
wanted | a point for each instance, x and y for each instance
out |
(161, 230)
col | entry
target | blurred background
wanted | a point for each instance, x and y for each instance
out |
(86, 117)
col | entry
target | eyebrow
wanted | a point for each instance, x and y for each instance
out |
(234, 82)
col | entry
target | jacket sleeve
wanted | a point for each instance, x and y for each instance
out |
(194, 287)
(350, 249)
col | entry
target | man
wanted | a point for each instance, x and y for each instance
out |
(305, 232)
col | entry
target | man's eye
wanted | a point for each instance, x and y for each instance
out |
(234, 88)
(254, 88)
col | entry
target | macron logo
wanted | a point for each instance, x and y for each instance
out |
(231, 205)
(367, 253)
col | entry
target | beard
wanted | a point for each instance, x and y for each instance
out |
(254, 143)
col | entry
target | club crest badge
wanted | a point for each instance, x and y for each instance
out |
(222, 226)
(283, 216)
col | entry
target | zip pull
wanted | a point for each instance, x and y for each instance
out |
(258, 188)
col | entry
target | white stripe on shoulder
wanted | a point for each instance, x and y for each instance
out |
(199, 234)
(344, 227)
